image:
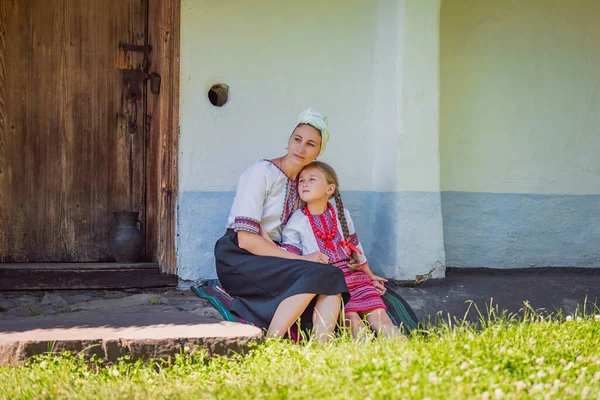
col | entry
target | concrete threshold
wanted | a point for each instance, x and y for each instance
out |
(140, 332)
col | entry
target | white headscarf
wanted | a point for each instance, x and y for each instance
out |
(316, 120)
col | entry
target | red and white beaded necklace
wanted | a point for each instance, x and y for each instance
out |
(327, 237)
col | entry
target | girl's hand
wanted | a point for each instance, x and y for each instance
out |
(378, 283)
(317, 257)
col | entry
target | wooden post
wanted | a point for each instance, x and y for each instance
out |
(163, 139)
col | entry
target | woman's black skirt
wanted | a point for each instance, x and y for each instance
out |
(259, 283)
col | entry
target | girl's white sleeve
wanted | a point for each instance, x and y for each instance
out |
(291, 238)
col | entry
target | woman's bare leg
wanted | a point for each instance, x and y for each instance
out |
(325, 316)
(381, 323)
(354, 322)
(288, 312)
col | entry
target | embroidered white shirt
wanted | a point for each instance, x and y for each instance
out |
(299, 238)
(264, 196)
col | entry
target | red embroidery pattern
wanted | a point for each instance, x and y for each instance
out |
(330, 230)
(292, 249)
(291, 196)
(353, 239)
(246, 224)
(363, 294)
(336, 254)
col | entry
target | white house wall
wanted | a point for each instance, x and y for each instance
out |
(520, 132)
(370, 66)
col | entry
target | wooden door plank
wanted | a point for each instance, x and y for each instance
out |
(66, 158)
(138, 140)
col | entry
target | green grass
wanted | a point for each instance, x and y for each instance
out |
(531, 356)
(34, 312)
(155, 301)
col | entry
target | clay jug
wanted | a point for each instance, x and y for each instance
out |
(126, 241)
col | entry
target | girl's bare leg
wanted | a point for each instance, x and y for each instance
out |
(354, 322)
(325, 316)
(381, 323)
(288, 312)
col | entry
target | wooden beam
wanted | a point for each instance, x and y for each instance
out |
(163, 141)
(61, 276)
(70, 266)
(3, 99)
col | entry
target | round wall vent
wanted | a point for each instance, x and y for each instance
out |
(218, 94)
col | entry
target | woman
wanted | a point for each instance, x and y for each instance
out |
(270, 286)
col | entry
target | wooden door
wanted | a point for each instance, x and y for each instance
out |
(67, 157)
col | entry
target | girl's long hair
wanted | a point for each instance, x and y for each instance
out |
(331, 177)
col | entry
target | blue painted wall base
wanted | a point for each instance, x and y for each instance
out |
(401, 232)
(521, 230)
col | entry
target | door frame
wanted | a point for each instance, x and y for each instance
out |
(164, 18)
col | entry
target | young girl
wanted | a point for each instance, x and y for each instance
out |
(317, 227)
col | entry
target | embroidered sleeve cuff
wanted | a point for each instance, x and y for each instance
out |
(246, 224)
(353, 239)
(291, 248)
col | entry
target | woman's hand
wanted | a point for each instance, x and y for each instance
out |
(265, 235)
(378, 283)
(317, 257)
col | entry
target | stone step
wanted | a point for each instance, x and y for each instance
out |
(153, 331)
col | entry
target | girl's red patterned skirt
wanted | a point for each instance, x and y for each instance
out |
(363, 294)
